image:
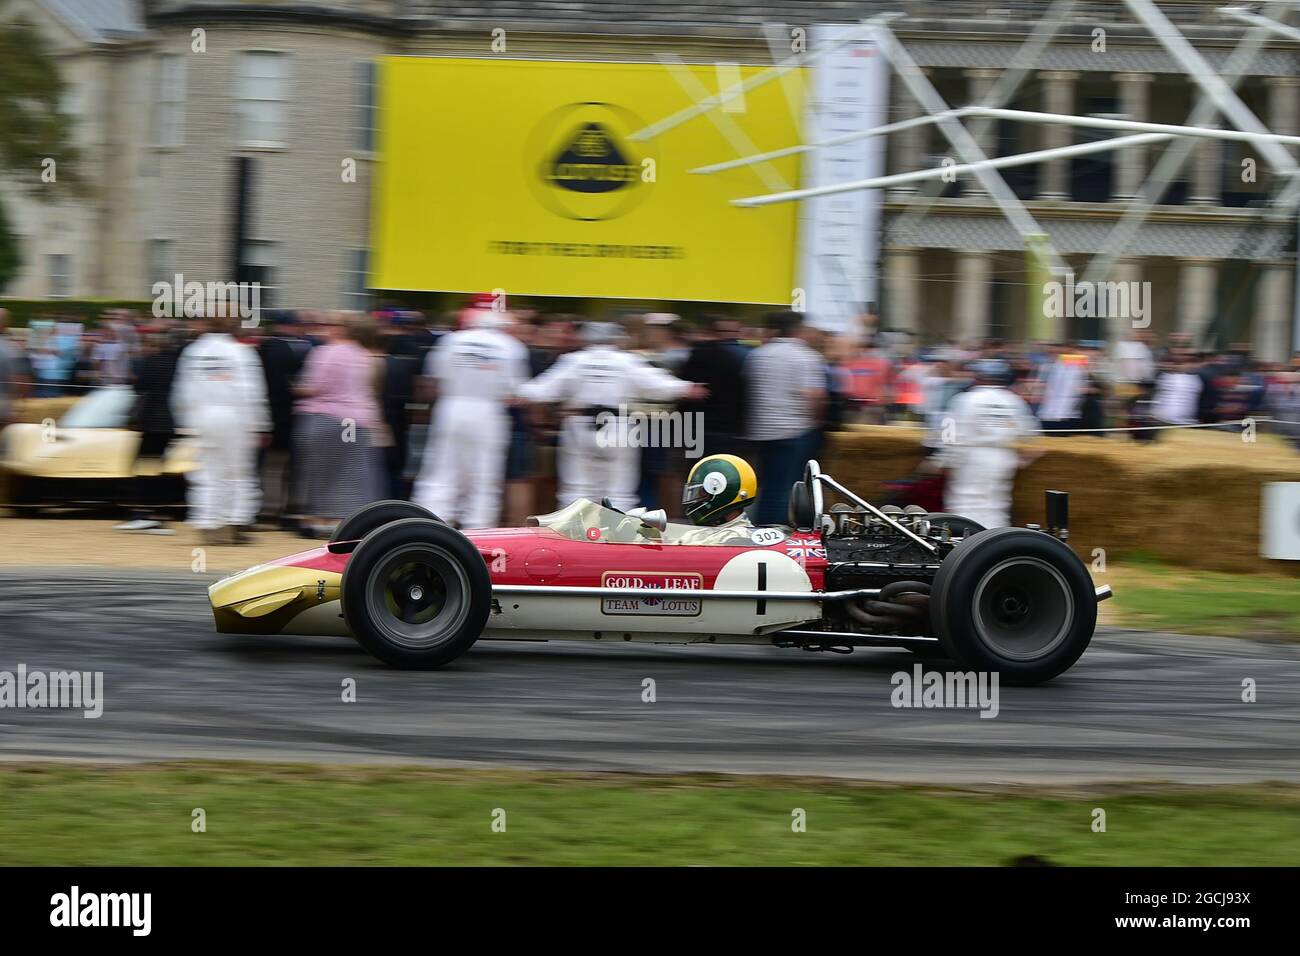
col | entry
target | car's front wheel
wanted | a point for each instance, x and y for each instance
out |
(375, 515)
(416, 593)
(1016, 601)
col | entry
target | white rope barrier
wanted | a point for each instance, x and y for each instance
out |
(1257, 420)
(1168, 426)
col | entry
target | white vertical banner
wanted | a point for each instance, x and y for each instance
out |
(839, 235)
(1280, 521)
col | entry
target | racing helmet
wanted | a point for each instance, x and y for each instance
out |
(716, 486)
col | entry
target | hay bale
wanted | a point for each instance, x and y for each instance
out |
(1192, 499)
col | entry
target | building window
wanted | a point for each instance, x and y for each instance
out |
(263, 87)
(365, 109)
(58, 271)
(70, 103)
(259, 267)
(356, 284)
(162, 261)
(169, 101)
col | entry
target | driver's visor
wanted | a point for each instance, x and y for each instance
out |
(694, 493)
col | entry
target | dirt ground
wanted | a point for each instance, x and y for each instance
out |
(77, 542)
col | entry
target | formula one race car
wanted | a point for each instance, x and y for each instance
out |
(89, 456)
(417, 593)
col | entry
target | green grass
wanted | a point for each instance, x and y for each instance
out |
(271, 814)
(1156, 596)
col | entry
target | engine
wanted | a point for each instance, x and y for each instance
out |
(866, 551)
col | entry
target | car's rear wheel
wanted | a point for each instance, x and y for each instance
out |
(416, 593)
(1015, 601)
(375, 515)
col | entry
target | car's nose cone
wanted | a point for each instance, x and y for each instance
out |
(267, 598)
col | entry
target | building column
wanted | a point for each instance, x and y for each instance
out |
(1273, 310)
(978, 84)
(903, 273)
(1197, 281)
(1207, 173)
(1131, 162)
(1127, 269)
(1058, 97)
(971, 304)
(1284, 107)
(909, 143)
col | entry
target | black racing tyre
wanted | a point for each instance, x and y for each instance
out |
(416, 593)
(375, 515)
(1014, 601)
(958, 525)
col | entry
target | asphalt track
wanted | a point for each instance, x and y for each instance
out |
(1138, 706)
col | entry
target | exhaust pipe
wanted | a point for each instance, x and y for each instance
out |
(1104, 593)
(1058, 513)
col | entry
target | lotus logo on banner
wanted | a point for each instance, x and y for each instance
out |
(588, 170)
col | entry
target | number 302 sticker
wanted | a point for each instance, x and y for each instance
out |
(766, 536)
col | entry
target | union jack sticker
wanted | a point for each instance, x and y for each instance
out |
(804, 548)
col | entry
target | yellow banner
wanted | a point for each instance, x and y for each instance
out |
(520, 175)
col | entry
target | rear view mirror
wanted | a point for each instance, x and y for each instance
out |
(657, 519)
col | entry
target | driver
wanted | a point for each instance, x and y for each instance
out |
(718, 490)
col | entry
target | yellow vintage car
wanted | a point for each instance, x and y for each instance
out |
(88, 455)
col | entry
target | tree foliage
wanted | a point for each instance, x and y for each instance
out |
(32, 127)
(10, 255)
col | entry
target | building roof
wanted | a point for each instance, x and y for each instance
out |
(951, 19)
(757, 12)
(99, 21)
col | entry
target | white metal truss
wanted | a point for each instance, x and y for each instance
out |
(1001, 93)
(1218, 98)
(1242, 15)
(968, 150)
(1212, 85)
(751, 158)
(1176, 155)
(948, 172)
(1103, 122)
(798, 61)
(721, 120)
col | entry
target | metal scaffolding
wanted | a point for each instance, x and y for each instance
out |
(1217, 102)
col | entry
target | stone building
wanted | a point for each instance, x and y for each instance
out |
(187, 104)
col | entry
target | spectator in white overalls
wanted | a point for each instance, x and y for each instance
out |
(986, 424)
(475, 372)
(595, 385)
(220, 396)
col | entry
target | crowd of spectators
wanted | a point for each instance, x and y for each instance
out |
(768, 390)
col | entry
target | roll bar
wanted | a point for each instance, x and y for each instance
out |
(815, 477)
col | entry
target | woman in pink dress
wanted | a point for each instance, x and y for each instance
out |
(338, 427)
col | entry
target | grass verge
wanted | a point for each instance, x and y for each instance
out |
(1156, 596)
(260, 814)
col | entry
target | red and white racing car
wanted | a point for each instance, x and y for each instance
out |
(417, 593)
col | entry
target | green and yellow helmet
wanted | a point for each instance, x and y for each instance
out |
(717, 486)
